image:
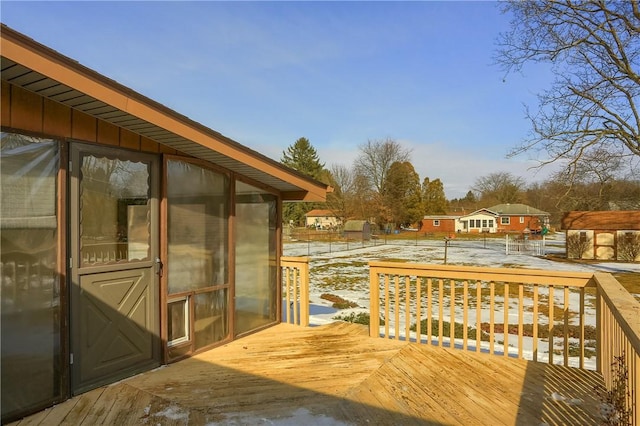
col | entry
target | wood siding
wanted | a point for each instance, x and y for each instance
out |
(27, 112)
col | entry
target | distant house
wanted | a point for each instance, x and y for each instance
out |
(322, 219)
(441, 223)
(505, 218)
(603, 235)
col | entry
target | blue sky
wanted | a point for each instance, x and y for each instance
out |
(337, 73)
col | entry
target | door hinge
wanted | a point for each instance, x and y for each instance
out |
(70, 359)
(70, 263)
(70, 166)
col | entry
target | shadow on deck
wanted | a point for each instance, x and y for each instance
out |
(337, 375)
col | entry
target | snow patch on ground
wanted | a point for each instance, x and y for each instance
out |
(300, 416)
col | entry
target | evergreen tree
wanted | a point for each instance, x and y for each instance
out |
(302, 156)
(433, 198)
(401, 194)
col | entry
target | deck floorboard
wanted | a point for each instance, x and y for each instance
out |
(337, 375)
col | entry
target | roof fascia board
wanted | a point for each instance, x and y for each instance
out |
(51, 64)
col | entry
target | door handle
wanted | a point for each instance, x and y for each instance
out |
(159, 266)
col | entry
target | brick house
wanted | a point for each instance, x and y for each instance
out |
(514, 218)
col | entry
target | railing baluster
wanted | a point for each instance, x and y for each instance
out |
(295, 296)
(387, 320)
(287, 285)
(478, 315)
(418, 309)
(551, 324)
(566, 326)
(396, 306)
(520, 318)
(440, 312)
(535, 322)
(506, 319)
(465, 313)
(407, 309)
(429, 309)
(452, 314)
(492, 297)
(581, 338)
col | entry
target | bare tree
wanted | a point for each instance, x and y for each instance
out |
(343, 198)
(376, 158)
(500, 187)
(594, 50)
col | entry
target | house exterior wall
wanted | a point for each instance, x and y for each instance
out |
(322, 222)
(23, 112)
(481, 222)
(518, 223)
(434, 225)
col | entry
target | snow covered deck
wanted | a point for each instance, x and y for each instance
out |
(337, 375)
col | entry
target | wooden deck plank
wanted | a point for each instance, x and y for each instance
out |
(337, 372)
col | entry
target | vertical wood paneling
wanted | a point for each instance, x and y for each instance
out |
(108, 134)
(57, 119)
(5, 104)
(83, 127)
(148, 145)
(129, 140)
(26, 110)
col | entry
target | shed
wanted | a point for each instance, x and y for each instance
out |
(603, 235)
(154, 235)
(357, 230)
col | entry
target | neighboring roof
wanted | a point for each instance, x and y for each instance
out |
(320, 213)
(41, 70)
(355, 225)
(481, 211)
(602, 220)
(441, 217)
(517, 210)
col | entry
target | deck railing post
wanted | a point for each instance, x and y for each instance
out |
(374, 302)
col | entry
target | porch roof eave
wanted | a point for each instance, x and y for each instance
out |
(39, 69)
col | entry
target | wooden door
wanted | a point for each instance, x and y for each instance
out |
(114, 265)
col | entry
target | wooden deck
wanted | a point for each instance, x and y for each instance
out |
(337, 375)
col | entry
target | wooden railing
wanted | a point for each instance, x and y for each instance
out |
(619, 339)
(416, 301)
(295, 289)
(504, 311)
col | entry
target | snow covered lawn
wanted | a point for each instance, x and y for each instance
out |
(345, 273)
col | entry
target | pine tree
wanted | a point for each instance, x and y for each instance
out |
(303, 157)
